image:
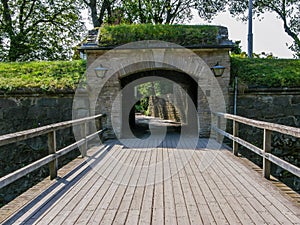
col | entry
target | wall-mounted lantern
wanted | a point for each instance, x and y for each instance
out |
(218, 70)
(100, 72)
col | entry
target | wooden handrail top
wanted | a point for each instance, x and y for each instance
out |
(26, 134)
(293, 131)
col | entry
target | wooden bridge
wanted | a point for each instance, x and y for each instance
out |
(168, 184)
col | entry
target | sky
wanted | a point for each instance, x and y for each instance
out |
(268, 34)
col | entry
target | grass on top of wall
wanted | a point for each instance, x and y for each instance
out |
(48, 76)
(185, 35)
(65, 75)
(260, 72)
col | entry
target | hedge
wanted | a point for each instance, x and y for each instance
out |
(266, 72)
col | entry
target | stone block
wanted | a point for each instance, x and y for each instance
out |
(295, 109)
(7, 103)
(295, 100)
(288, 121)
(10, 114)
(282, 101)
(44, 102)
(266, 99)
(65, 103)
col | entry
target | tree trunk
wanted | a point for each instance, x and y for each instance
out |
(291, 34)
(141, 15)
(14, 50)
(94, 13)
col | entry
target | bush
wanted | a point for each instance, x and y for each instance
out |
(266, 72)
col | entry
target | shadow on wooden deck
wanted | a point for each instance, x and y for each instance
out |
(66, 182)
(168, 184)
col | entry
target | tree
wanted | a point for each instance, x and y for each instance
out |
(208, 9)
(150, 11)
(287, 10)
(138, 11)
(39, 29)
(158, 12)
(99, 10)
(236, 49)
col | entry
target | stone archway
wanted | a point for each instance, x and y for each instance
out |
(152, 55)
(171, 105)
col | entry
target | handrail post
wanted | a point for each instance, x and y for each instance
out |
(84, 135)
(235, 133)
(98, 123)
(53, 165)
(267, 149)
(219, 136)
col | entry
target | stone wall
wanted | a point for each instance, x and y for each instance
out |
(20, 111)
(163, 108)
(28, 110)
(276, 106)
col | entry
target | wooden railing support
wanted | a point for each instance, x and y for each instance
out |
(219, 136)
(267, 149)
(53, 165)
(235, 133)
(84, 135)
(54, 153)
(264, 152)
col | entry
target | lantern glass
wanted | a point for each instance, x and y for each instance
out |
(218, 70)
(100, 72)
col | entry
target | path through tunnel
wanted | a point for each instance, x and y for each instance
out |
(161, 99)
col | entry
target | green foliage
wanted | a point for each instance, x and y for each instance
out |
(155, 88)
(266, 72)
(48, 76)
(142, 105)
(186, 35)
(237, 49)
(244, 55)
(157, 12)
(149, 11)
(39, 30)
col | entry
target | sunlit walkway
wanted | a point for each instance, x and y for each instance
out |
(164, 185)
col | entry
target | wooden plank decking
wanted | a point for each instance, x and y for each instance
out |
(164, 185)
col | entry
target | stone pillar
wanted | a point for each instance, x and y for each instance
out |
(204, 114)
(128, 111)
(180, 101)
(81, 105)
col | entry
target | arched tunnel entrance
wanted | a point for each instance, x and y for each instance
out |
(160, 97)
